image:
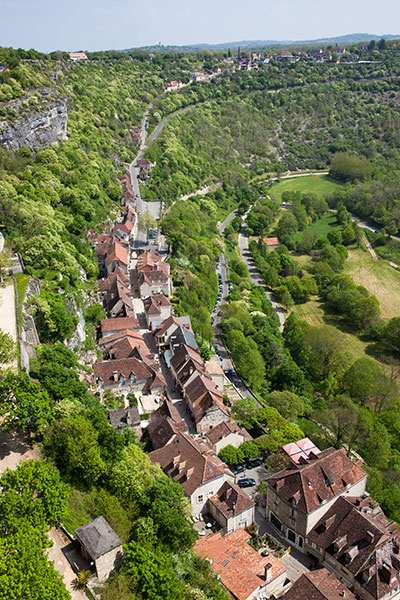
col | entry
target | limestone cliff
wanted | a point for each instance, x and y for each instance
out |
(35, 130)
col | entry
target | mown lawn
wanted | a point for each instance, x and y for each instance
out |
(378, 277)
(320, 185)
(321, 227)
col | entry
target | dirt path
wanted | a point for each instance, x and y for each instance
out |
(8, 321)
(61, 563)
(369, 247)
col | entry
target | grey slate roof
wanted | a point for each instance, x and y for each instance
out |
(181, 335)
(98, 538)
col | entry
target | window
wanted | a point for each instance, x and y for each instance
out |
(291, 536)
(210, 494)
(243, 524)
(292, 522)
(300, 541)
(200, 498)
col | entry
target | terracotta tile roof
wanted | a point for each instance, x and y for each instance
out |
(124, 348)
(189, 462)
(153, 303)
(168, 322)
(148, 260)
(318, 479)
(203, 394)
(117, 252)
(271, 241)
(119, 324)
(124, 367)
(104, 284)
(109, 340)
(356, 533)
(125, 227)
(241, 568)
(222, 430)
(318, 585)
(230, 500)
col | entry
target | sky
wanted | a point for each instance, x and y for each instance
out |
(48, 25)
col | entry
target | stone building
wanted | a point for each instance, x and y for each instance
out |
(300, 495)
(101, 546)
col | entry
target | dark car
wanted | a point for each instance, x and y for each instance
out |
(254, 462)
(246, 482)
(238, 468)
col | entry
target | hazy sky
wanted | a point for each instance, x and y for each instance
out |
(104, 24)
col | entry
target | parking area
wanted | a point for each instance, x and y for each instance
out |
(258, 474)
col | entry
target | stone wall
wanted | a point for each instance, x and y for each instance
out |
(28, 336)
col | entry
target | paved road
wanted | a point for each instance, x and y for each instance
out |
(219, 346)
(254, 274)
(162, 123)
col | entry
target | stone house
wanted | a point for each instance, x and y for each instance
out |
(231, 507)
(117, 256)
(157, 308)
(242, 570)
(154, 282)
(164, 330)
(191, 462)
(100, 545)
(126, 418)
(205, 403)
(165, 424)
(128, 375)
(299, 496)
(226, 433)
(318, 585)
(355, 541)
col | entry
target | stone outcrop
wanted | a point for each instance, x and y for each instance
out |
(28, 335)
(38, 129)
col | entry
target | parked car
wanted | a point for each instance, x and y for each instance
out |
(254, 462)
(238, 468)
(246, 482)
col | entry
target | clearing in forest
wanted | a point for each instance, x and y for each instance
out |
(320, 185)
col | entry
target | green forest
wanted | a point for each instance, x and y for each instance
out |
(335, 379)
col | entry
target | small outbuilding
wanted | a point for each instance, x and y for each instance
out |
(100, 545)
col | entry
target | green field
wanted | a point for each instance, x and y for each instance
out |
(321, 227)
(320, 185)
(378, 277)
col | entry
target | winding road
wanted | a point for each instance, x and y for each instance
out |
(245, 255)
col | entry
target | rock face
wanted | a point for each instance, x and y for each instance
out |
(38, 129)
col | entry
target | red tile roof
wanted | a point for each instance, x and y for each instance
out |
(189, 462)
(203, 394)
(318, 479)
(117, 252)
(119, 324)
(153, 303)
(222, 430)
(271, 241)
(109, 340)
(318, 585)
(242, 569)
(148, 259)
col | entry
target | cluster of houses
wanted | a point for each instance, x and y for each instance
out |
(319, 504)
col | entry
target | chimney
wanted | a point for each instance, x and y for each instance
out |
(370, 537)
(115, 375)
(268, 572)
